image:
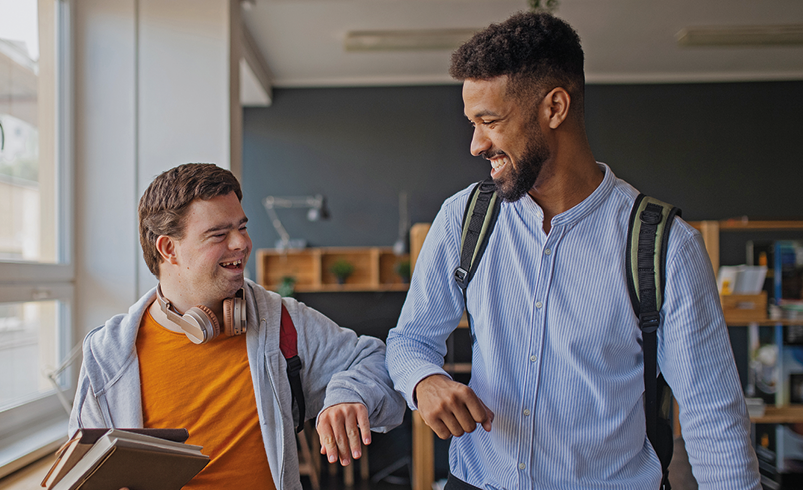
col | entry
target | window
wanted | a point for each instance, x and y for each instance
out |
(36, 273)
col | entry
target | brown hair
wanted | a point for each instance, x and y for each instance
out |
(163, 207)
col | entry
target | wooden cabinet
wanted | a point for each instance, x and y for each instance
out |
(374, 269)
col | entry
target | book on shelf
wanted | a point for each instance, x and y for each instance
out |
(788, 270)
(102, 459)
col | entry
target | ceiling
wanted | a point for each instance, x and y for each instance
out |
(625, 41)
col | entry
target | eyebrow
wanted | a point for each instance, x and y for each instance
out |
(484, 113)
(224, 226)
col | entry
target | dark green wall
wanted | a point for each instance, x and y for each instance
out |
(716, 150)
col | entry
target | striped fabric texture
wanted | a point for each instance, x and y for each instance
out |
(557, 352)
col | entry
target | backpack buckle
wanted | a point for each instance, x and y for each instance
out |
(651, 217)
(460, 275)
(649, 321)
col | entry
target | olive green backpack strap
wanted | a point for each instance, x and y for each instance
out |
(479, 219)
(647, 239)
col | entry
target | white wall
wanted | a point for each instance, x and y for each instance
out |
(152, 92)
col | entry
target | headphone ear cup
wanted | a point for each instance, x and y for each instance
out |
(207, 319)
(234, 322)
(228, 316)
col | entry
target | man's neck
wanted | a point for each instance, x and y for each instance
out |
(565, 184)
(181, 303)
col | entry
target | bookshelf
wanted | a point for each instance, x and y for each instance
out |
(780, 415)
(711, 232)
(374, 269)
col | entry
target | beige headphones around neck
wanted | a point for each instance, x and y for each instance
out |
(200, 324)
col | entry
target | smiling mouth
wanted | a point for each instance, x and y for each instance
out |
(232, 265)
(498, 163)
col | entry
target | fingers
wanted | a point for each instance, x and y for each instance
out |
(342, 429)
(480, 413)
(327, 437)
(365, 425)
(451, 408)
(354, 445)
(488, 420)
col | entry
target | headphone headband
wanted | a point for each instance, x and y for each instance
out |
(200, 324)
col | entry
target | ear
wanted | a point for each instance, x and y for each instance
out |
(167, 249)
(556, 106)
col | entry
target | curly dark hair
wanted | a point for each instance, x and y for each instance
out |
(536, 50)
(164, 205)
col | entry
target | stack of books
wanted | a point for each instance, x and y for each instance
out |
(106, 459)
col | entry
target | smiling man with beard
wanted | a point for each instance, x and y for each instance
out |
(201, 350)
(557, 361)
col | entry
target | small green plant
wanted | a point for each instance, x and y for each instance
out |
(402, 268)
(341, 269)
(548, 6)
(287, 287)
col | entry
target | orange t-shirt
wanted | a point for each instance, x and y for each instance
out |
(208, 390)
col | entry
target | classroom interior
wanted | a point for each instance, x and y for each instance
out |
(139, 86)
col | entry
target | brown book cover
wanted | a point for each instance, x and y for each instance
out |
(122, 458)
(83, 439)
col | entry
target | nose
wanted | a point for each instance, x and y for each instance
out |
(479, 141)
(240, 240)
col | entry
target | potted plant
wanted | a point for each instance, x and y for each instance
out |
(402, 269)
(341, 269)
(287, 287)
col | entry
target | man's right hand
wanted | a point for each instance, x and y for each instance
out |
(450, 408)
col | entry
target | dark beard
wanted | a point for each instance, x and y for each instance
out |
(521, 178)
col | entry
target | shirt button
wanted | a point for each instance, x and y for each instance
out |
(526, 412)
(539, 305)
(547, 251)
(533, 358)
(521, 466)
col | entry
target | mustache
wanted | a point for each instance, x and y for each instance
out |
(490, 154)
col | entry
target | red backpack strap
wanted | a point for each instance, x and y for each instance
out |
(288, 337)
(288, 343)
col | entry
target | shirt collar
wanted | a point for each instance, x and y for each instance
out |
(581, 210)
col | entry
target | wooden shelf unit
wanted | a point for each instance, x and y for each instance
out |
(792, 414)
(711, 230)
(373, 269)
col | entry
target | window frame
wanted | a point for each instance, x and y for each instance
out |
(28, 429)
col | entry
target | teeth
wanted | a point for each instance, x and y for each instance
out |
(235, 263)
(497, 164)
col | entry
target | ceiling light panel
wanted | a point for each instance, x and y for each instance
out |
(407, 40)
(789, 34)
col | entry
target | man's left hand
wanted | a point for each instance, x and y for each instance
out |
(343, 428)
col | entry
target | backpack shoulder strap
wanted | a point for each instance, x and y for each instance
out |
(647, 239)
(479, 219)
(288, 343)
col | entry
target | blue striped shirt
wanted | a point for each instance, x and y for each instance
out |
(557, 352)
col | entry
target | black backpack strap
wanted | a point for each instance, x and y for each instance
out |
(288, 343)
(648, 235)
(479, 219)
